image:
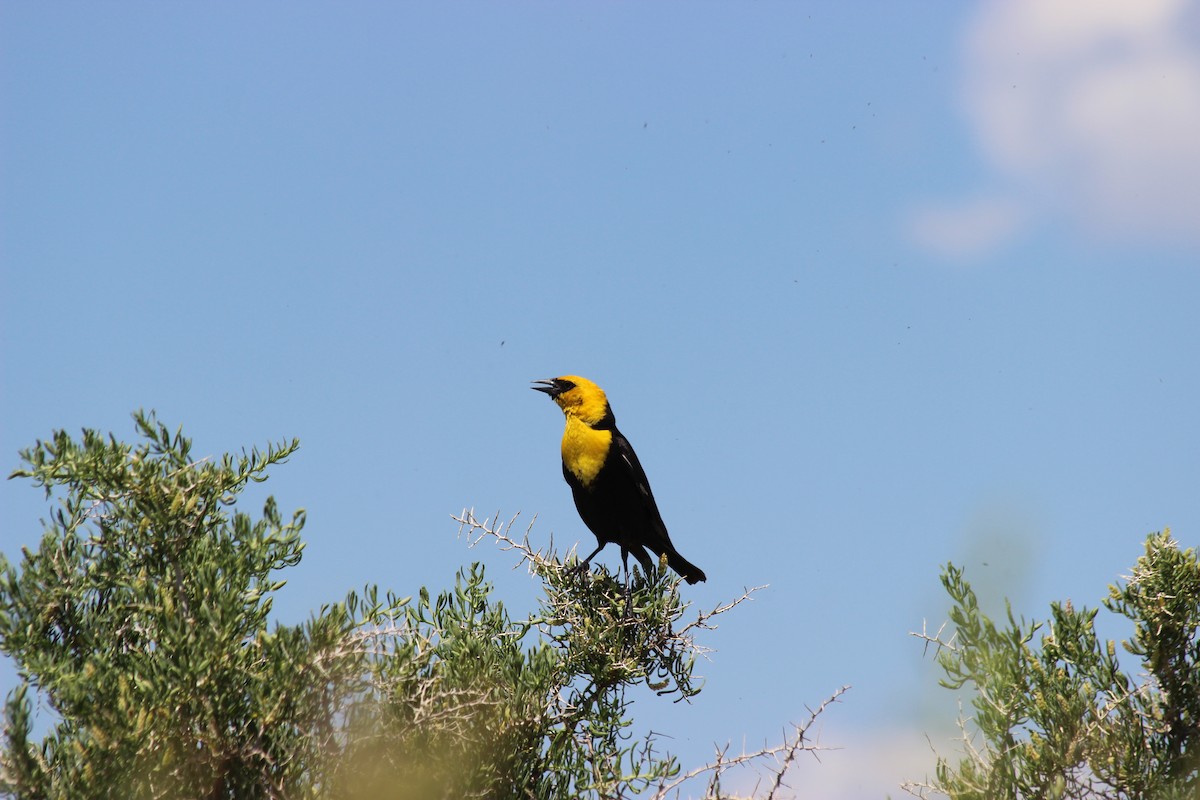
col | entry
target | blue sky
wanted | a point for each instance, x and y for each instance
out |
(870, 287)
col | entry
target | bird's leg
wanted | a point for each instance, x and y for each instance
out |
(582, 566)
(628, 583)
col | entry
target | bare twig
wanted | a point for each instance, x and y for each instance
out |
(936, 639)
(783, 755)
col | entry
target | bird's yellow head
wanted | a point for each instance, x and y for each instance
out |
(577, 397)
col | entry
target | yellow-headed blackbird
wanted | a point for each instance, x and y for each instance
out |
(610, 486)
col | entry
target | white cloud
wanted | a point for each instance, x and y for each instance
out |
(967, 229)
(1089, 111)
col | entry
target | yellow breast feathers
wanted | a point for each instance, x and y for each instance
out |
(584, 449)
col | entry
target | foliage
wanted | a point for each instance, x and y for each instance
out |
(142, 618)
(142, 621)
(1062, 719)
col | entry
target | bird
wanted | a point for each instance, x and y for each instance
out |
(612, 493)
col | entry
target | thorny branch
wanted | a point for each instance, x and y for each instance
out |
(783, 755)
(936, 639)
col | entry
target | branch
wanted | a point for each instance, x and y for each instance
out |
(703, 617)
(477, 531)
(784, 755)
(941, 644)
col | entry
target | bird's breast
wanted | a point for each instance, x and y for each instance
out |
(584, 450)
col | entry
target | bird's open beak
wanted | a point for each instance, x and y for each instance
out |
(550, 387)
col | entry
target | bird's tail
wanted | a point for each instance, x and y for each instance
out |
(690, 572)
